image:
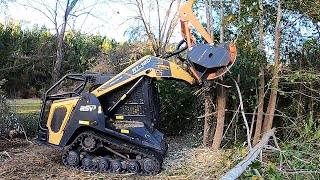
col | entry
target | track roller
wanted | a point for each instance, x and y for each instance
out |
(150, 166)
(73, 159)
(115, 166)
(133, 167)
(87, 163)
(103, 165)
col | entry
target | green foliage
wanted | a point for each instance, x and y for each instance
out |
(268, 171)
(307, 7)
(108, 45)
(178, 107)
(116, 56)
(250, 62)
(80, 50)
(300, 87)
(19, 116)
(8, 120)
(25, 60)
(27, 57)
(29, 122)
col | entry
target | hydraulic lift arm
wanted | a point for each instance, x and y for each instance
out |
(186, 17)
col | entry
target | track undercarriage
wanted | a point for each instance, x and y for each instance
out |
(91, 151)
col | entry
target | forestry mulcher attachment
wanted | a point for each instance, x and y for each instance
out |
(107, 122)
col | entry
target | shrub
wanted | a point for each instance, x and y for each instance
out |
(29, 123)
(178, 108)
(9, 124)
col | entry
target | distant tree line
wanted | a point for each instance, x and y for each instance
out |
(27, 57)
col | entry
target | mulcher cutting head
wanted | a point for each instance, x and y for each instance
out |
(210, 61)
(207, 61)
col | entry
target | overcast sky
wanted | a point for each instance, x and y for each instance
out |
(111, 18)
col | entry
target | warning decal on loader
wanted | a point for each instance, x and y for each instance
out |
(99, 109)
(124, 131)
(84, 122)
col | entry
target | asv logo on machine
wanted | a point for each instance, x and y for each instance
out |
(88, 108)
(140, 66)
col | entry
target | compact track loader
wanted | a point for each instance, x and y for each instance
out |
(106, 122)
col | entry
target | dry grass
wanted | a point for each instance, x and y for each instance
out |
(30, 161)
(195, 163)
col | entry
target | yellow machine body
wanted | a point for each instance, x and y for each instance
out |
(67, 104)
(150, 66)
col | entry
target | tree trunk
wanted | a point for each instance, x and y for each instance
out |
(275, 79)
(58, 63)
(60, 41)
(221, 105)
(221, 94)
(208, 4)
(261, 26)
(221, 21)
(257, 132)
(207, 133)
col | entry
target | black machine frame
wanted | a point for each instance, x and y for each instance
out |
(47, 96)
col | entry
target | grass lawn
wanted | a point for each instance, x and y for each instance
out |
(26, 106)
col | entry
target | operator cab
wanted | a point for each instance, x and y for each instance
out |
(69, 86)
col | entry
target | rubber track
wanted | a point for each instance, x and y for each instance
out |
(130, 148)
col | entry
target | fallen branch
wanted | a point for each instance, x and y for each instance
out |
(243, 114)
(236, 172)
(3, 173)
(233, 118)
(5, 153)
(208, 115)
(257, 173)
(24, 133)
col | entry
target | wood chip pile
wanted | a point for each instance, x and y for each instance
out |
(20, 159)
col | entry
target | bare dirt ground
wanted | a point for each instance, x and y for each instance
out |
(20, 159)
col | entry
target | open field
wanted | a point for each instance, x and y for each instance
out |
(24, 106)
